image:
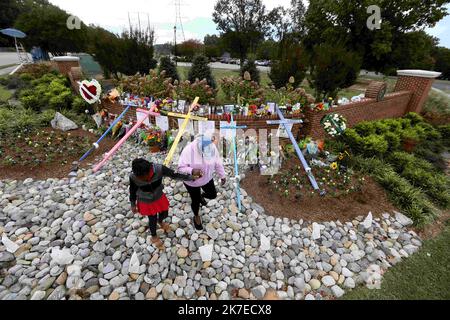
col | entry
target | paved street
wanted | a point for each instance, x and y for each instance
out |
(219, 65)
(6, 59)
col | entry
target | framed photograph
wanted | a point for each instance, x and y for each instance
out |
(181, 106)
(229, 108)
(219, 110)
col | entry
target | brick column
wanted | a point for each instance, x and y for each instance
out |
(419, 83)
(65, 64)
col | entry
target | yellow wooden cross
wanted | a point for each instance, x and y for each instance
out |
(181, 131)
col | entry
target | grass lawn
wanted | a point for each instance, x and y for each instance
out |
(424, 276)
(5, 94)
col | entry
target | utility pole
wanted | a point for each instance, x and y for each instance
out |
(175, 45)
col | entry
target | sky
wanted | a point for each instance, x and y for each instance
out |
(196, 16)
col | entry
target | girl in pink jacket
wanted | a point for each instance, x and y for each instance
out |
(201, 154)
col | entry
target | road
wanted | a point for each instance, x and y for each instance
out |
(7, 59)
(225, 66)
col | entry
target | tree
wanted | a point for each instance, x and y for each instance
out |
(46, 27)
(413, 50)
(442, 58)
(212, 46)
(345, 23)
(200, 70)
(250, 67)
(267, 50)
(292, 61)
(130, 53)
(287, 21)
(211, 40)
(136, 52)
(165, 64)
(105, 47)
(189, 48)
(331, 69)
(243, 22)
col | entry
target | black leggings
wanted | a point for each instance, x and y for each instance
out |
(209, 192)
(152, 220)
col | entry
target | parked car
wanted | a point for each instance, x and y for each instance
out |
(262, 63)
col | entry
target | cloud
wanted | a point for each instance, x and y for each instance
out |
(196, 16)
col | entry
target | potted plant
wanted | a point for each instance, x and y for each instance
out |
(410, 140)
(153, 139)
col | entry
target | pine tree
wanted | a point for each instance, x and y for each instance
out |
(169, 67)
(200, 70)
(250, 66)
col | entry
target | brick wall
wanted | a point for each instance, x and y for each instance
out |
(410, 93)
(394, 105)
(250, 122)
(65, 67)
(420, 87)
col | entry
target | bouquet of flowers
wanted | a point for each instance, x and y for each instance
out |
(164, 105)
(334, 124)
(153, 136)
(325, 105)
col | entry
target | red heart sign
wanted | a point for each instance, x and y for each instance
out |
(90, 90)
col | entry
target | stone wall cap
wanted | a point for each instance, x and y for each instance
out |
(419, 73)
(65, 59)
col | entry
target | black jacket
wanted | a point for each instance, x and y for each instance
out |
(150, 191)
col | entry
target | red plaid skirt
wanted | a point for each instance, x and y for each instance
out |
(151, 209)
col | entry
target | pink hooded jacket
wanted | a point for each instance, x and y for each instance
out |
(191, 158)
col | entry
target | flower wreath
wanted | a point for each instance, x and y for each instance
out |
(334, 124)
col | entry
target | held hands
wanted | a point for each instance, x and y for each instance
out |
(197, 174)
(134, 209)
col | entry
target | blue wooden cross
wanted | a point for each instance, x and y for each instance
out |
(96, 144)
(307, 168)
(234, 127)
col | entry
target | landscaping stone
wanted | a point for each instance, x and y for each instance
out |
(83, 237)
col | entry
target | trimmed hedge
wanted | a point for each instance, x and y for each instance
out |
(401, 192)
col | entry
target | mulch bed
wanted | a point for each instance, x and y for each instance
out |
(371, 198)
(55, 168)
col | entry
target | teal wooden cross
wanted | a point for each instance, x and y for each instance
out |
(234, 127)
(307, 168)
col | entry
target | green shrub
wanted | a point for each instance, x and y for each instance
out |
(365, 128)
(165, 64)
(404, 195)
(251, 68)
(437, 108)
(393, 140)
(445, 132)
(79, 105)
(247, 91)
(395, 125)
(414, 118)
(48, 92)
(200, 70)
(422, 174)
(374, 145)
(400, 160)
(13, 121)
(332, 68)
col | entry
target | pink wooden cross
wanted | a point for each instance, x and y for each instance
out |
(110, 154)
